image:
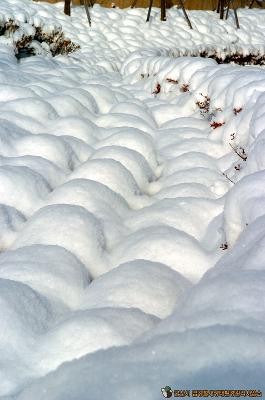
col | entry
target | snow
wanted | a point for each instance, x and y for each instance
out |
(133, 139)
(151, 287)
(88, 331)
(71, 227)
(10, 222)
(132, 160)
(165, 244)
(112, 174)
(25, 315)
(131, 203)
(22, 188)
(138, 370)
(52, 271)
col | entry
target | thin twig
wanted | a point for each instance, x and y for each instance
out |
(243, 156)
(185, 13)
(87, 12)
(149, 11)
(227, 177)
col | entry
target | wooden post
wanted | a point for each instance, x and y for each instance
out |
(236, 18)
(163, 10)
(228, 8)
(67, 7)
(222, 6)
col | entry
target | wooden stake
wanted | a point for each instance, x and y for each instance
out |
(67, 7)
(221, 9)
(236, 18)
(163, 10)
(227, 10)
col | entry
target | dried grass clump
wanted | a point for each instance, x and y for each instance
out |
(8, 28)
(235, 58)
(55, 42)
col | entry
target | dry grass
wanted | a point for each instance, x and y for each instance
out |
(56, 43)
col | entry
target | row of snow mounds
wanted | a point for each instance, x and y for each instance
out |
(245, 203)
(215, 339)
(77, 190)
(117, 224)
(207, 82)
(127, 31)
(115, 33)
(240, 107)
(95, 208)
(220, 355)
(98, 227)
(112, 200)
(78, 167)
(213, 336)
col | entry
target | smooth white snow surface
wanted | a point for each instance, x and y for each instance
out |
(132, 206)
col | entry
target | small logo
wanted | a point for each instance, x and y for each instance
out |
(167, 392)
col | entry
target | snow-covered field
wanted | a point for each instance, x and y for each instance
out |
(132, 205)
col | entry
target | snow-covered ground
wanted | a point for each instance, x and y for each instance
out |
(132, 205)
